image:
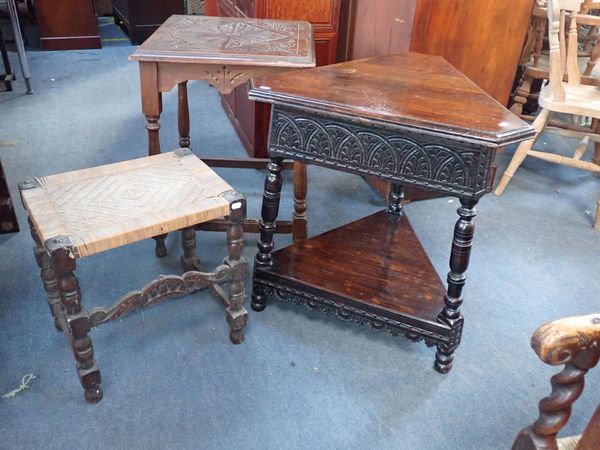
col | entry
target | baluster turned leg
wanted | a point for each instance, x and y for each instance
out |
(395, 200)
(270, 209)
(63, 260)
(459, 262)
(183, 115)
(189, 260)
(236, 314)
(299, 223)
(49, 277)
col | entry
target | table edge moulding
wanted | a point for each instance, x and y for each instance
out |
(391, 132)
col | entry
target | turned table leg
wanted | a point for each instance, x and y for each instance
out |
(49, 278)
(270, 209)
(459, 262)
(236, 314)
(63, 260)
(395, 199)
(183, 115)
(299, 223)
(151, 104)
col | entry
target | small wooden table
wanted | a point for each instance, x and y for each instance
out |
(410, 119)
(225, 52)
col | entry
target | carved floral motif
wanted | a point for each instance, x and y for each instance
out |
(229, 36)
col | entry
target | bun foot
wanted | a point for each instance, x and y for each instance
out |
(443, 362)
(236, 337)
(93, 395)
(259, 302)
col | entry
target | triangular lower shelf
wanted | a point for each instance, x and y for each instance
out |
(376, 263)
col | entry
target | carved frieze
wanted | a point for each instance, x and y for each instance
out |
(399, 155)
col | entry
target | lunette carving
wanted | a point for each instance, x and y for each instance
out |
(385, 152)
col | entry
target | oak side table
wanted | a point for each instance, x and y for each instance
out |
(410, 119)
(225, 52)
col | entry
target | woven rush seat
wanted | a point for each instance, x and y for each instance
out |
(110, 206)
(76, 214)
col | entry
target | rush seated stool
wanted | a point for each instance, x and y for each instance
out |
(77, 214)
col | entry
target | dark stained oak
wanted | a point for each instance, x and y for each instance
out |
(409, 119)
(574, 342)
(376, 261)
(408, 89)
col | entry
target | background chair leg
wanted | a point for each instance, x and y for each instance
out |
(539, 124)
(596, 157)
(597, 221)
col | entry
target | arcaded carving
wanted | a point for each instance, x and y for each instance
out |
(395, 154)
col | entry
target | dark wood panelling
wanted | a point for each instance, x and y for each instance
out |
(251, 119)
(141, 18)
(483, 38)
(67, 24)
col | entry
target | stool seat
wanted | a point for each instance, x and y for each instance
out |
(109, 206)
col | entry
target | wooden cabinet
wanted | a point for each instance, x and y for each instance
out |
(250, 119)
(141, 18)
(483, 38)
(67, 24)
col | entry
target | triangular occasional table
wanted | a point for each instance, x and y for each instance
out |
(410, 119)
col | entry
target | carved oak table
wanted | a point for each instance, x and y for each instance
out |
(77, 214)
(225, 52)
(410, 119)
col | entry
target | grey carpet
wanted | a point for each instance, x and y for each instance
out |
(171, 378)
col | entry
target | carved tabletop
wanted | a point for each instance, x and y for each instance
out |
(230, 40)
(410, 119)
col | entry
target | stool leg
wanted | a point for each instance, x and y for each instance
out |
(236, 314)
(49, 278)
(183, 115)
(189, 260)
(161, 249)
(63, 261)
